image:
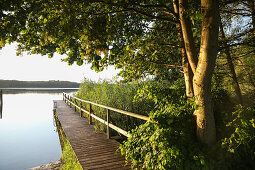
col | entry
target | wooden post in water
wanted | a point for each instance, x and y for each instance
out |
(55, 105)
(90, 110)
(107, 128)
(1, 103)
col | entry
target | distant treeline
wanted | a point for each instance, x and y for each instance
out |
(38, 84)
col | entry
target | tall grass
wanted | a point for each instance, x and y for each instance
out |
(137, 97)
(117, 95)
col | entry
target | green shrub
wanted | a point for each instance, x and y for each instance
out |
(240, 143)
(168, 140)
(168, 144)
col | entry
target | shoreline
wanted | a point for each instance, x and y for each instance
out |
(53, 166)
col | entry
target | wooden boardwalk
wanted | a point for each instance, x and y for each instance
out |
(93, 150)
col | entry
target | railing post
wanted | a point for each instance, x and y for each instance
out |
(66, 98)
(90, 110)
(70, 99)
(107, 128)
(80, 109)
(75, 104)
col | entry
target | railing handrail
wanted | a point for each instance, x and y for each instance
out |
(106, 122)
(114, 109)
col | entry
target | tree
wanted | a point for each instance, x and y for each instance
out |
(237, 47)
(231, 66)
(140, 37)
(203, 66)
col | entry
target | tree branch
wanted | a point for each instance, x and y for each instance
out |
(153, 16)
(169, 11)
(168, 65)
(236, 13)
(172, 45)
(239, 35)
(142, 12)
(142, 25)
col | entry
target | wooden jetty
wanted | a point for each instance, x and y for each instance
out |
(93, 150)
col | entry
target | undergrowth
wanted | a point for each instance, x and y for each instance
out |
(168, 140)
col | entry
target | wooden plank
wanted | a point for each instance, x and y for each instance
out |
(93, 150)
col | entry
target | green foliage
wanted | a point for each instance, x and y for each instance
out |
(137, 97)
(240, 144)
(121, 33)
(244, 62)
(161, 91)
(68, 157)
(222, 109)
(168, 141)
(141, 38)
(116, 95)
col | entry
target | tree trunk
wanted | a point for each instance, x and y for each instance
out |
(203, 76)
(187, 35)
(188, 74)
(252, 10)
(231, 66)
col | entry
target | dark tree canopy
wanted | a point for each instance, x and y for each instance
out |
(138, 36)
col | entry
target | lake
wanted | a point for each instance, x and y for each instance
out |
(28, 136)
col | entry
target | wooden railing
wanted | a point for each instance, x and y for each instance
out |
(72, 101)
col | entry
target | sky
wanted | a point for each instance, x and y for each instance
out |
(41, 68)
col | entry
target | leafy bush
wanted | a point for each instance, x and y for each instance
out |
(168, 141)
(240, 144)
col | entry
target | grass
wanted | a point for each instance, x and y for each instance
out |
(68, 158)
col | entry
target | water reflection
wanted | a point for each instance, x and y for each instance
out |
(28, 137)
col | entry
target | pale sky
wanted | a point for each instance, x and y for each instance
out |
(37, 67)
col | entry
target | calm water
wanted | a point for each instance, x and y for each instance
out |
(28, 136)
